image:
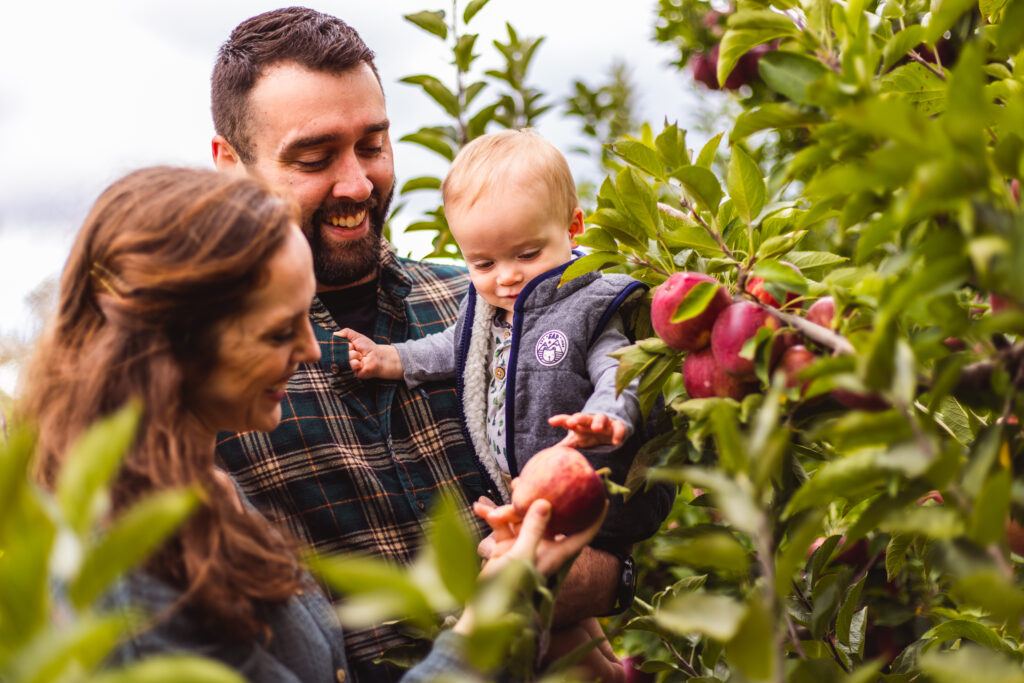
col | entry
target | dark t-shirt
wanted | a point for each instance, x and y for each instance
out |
(353, 307)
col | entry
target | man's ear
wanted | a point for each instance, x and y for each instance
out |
(575, 225)
(225, 158)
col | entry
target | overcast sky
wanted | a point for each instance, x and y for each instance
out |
(91, 90)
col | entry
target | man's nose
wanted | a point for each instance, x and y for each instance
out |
(351, 180)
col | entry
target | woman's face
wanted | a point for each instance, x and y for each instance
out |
(260, 348)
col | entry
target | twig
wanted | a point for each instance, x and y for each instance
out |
(926, 64)
(686, 665)
(833, 341)
(676, 213)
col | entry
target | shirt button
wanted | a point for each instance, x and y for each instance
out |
(340, 675)
(499, 373)
(507, 334)
(336, 369)
(421, 505)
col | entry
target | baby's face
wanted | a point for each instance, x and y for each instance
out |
(509, 238)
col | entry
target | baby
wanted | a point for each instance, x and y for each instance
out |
(530, 357)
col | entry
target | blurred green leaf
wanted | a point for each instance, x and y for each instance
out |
(772, 116)
(134, 535)
(431, 22)
(472, 8)
(715, 616)
(455, 549)
(746, 185)
(752, 649)
(91, 464)
(171, 668)
(790, 74)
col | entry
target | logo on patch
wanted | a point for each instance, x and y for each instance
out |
(552, 347)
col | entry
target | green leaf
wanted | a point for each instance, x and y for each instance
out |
(455, 548)
(641, 156)
(931, 521)
(437, 91)
(970, 664)
(135, 533)
(824, 605)
(423, 182)
(944, 15)
(791, 74)
(590, 263)
(814, 264)
(746, 185)
(706, 549)
(773, 116)
(91, 463)
(715, 616)
(707, 153)
(915, 84)
(701, 186)
(971, 630)
(472, 8)
(844, 619)
(696, 301)
(900, 44)
(752, 649)
(597, 239)
(432, 141)
(988, 516)
(782, 244)
(738, 41)
(431, 22)
(59, 653)
(790, 555)
(171, 668)
(732, 500)
(671, 146)
(639, 201)
(463, 52)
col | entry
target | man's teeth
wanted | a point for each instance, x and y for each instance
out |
(347, 221)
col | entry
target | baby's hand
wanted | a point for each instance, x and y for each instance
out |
(369, 359)
(586, 430)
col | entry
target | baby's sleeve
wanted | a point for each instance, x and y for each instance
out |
(602, 368)
(429, 358)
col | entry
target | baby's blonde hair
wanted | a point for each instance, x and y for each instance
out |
(496, 161)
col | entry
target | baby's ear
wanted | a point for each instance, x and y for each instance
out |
(576, 225)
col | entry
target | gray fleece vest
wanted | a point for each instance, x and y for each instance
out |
(552, 330)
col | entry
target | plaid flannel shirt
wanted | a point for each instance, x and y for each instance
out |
(354, 465)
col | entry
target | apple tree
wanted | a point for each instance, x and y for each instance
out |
(847, 433)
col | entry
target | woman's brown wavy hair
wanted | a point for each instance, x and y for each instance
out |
(165, 257)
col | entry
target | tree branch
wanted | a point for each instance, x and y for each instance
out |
(822, 336)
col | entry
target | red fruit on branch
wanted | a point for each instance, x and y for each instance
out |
(755, 286)
(704, 378)
(793, 361)
(692, 334)
(822, 312)
(563, 477)
(734, 326)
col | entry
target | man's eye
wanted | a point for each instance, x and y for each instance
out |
(312, 164)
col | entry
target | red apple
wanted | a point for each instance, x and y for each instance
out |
(755, 286)
(686, 335)
(563, 477)
(793, 360)
(1001, 303)
(859, 400)
(1015, 536)
(822, 312)
(734, 326)
(704, 378)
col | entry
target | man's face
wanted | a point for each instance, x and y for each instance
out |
(323, 140)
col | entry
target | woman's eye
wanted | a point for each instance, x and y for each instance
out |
(283, 337)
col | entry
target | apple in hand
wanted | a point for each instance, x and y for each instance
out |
(704, 378)
(733, 327)
(563, 477)
(686, 335)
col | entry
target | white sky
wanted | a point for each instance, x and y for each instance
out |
(91, 90)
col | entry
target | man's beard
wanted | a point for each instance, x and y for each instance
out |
(336, 264)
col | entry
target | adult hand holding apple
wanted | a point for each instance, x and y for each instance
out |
(526, 536)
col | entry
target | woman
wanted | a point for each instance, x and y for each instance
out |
(189, 290)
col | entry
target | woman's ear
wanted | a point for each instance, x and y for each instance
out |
(575, 225)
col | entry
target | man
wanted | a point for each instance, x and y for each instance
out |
(297, 101)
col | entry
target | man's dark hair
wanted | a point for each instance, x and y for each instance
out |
(309, 38)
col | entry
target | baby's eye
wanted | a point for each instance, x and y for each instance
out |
(482, 265)
(526, 256)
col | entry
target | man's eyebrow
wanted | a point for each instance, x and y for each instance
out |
(327, 138)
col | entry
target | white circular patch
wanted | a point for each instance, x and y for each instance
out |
(552, 348)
